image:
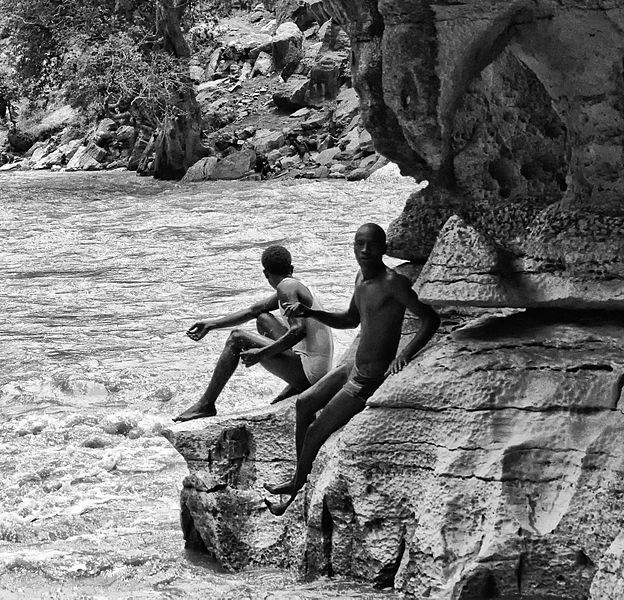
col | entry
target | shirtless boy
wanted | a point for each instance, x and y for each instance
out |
(300, 354)
(378, 305)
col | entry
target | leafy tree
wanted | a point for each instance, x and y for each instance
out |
(124, 54)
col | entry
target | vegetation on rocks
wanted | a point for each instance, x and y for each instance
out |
(160, 85)
(100, 56)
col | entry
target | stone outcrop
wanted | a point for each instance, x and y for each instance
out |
(512, 111)
(237, 165)
(466, 268)
(223, 512)
(490, 468)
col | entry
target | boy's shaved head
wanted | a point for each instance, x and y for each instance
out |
(378, 233)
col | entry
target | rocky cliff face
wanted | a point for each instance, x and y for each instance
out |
(492, 466)
(514, 112)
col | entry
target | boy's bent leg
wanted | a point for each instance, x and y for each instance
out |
(287, 366)
(315, 398)
(238, 341)
(269, 326)
(273, 328)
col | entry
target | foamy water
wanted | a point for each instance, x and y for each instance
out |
(104, 273)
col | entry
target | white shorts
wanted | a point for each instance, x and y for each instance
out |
(316, 366)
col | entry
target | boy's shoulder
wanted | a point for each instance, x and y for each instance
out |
(291, 286)
(396, 280)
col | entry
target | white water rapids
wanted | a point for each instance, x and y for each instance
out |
(102, 275)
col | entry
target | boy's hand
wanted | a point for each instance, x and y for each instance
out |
(198, 330)
(296, 309)
(251, 357)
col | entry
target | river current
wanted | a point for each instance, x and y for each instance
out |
(102, 275)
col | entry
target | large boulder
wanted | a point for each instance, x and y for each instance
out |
(202, 170)
(287, 47)
(87, 158)
(57, 157)
(237, 165)
(222, 508)
(266, 140)
(466, 268)
(293, 94)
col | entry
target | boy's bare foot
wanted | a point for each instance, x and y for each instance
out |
(197, 411)
(280, 488)
(278, 509)
(287, 392)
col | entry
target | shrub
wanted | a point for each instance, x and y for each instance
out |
(116, 75)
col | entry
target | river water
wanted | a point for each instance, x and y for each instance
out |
(102, 275)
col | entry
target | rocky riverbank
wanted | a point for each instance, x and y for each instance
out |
(490, 467)
(274, 88)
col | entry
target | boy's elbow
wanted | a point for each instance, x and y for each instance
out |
(434, 321)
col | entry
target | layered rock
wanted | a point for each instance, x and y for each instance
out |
(513, 112)
(490, 468)
(466, 268)
(222, 508)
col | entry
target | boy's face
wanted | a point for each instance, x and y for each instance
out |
(368, 246)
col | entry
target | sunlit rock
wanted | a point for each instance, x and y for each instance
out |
(223, 511)
(466, 267)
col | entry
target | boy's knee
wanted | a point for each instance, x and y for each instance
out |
(302, 405)
(263, 323)
(235, 337)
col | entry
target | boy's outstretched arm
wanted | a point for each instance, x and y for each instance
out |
(198, 330)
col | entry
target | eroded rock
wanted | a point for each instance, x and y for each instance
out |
(512, 112)
(491, 465)
(223, 511)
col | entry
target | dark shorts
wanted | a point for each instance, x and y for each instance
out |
(361, 387)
